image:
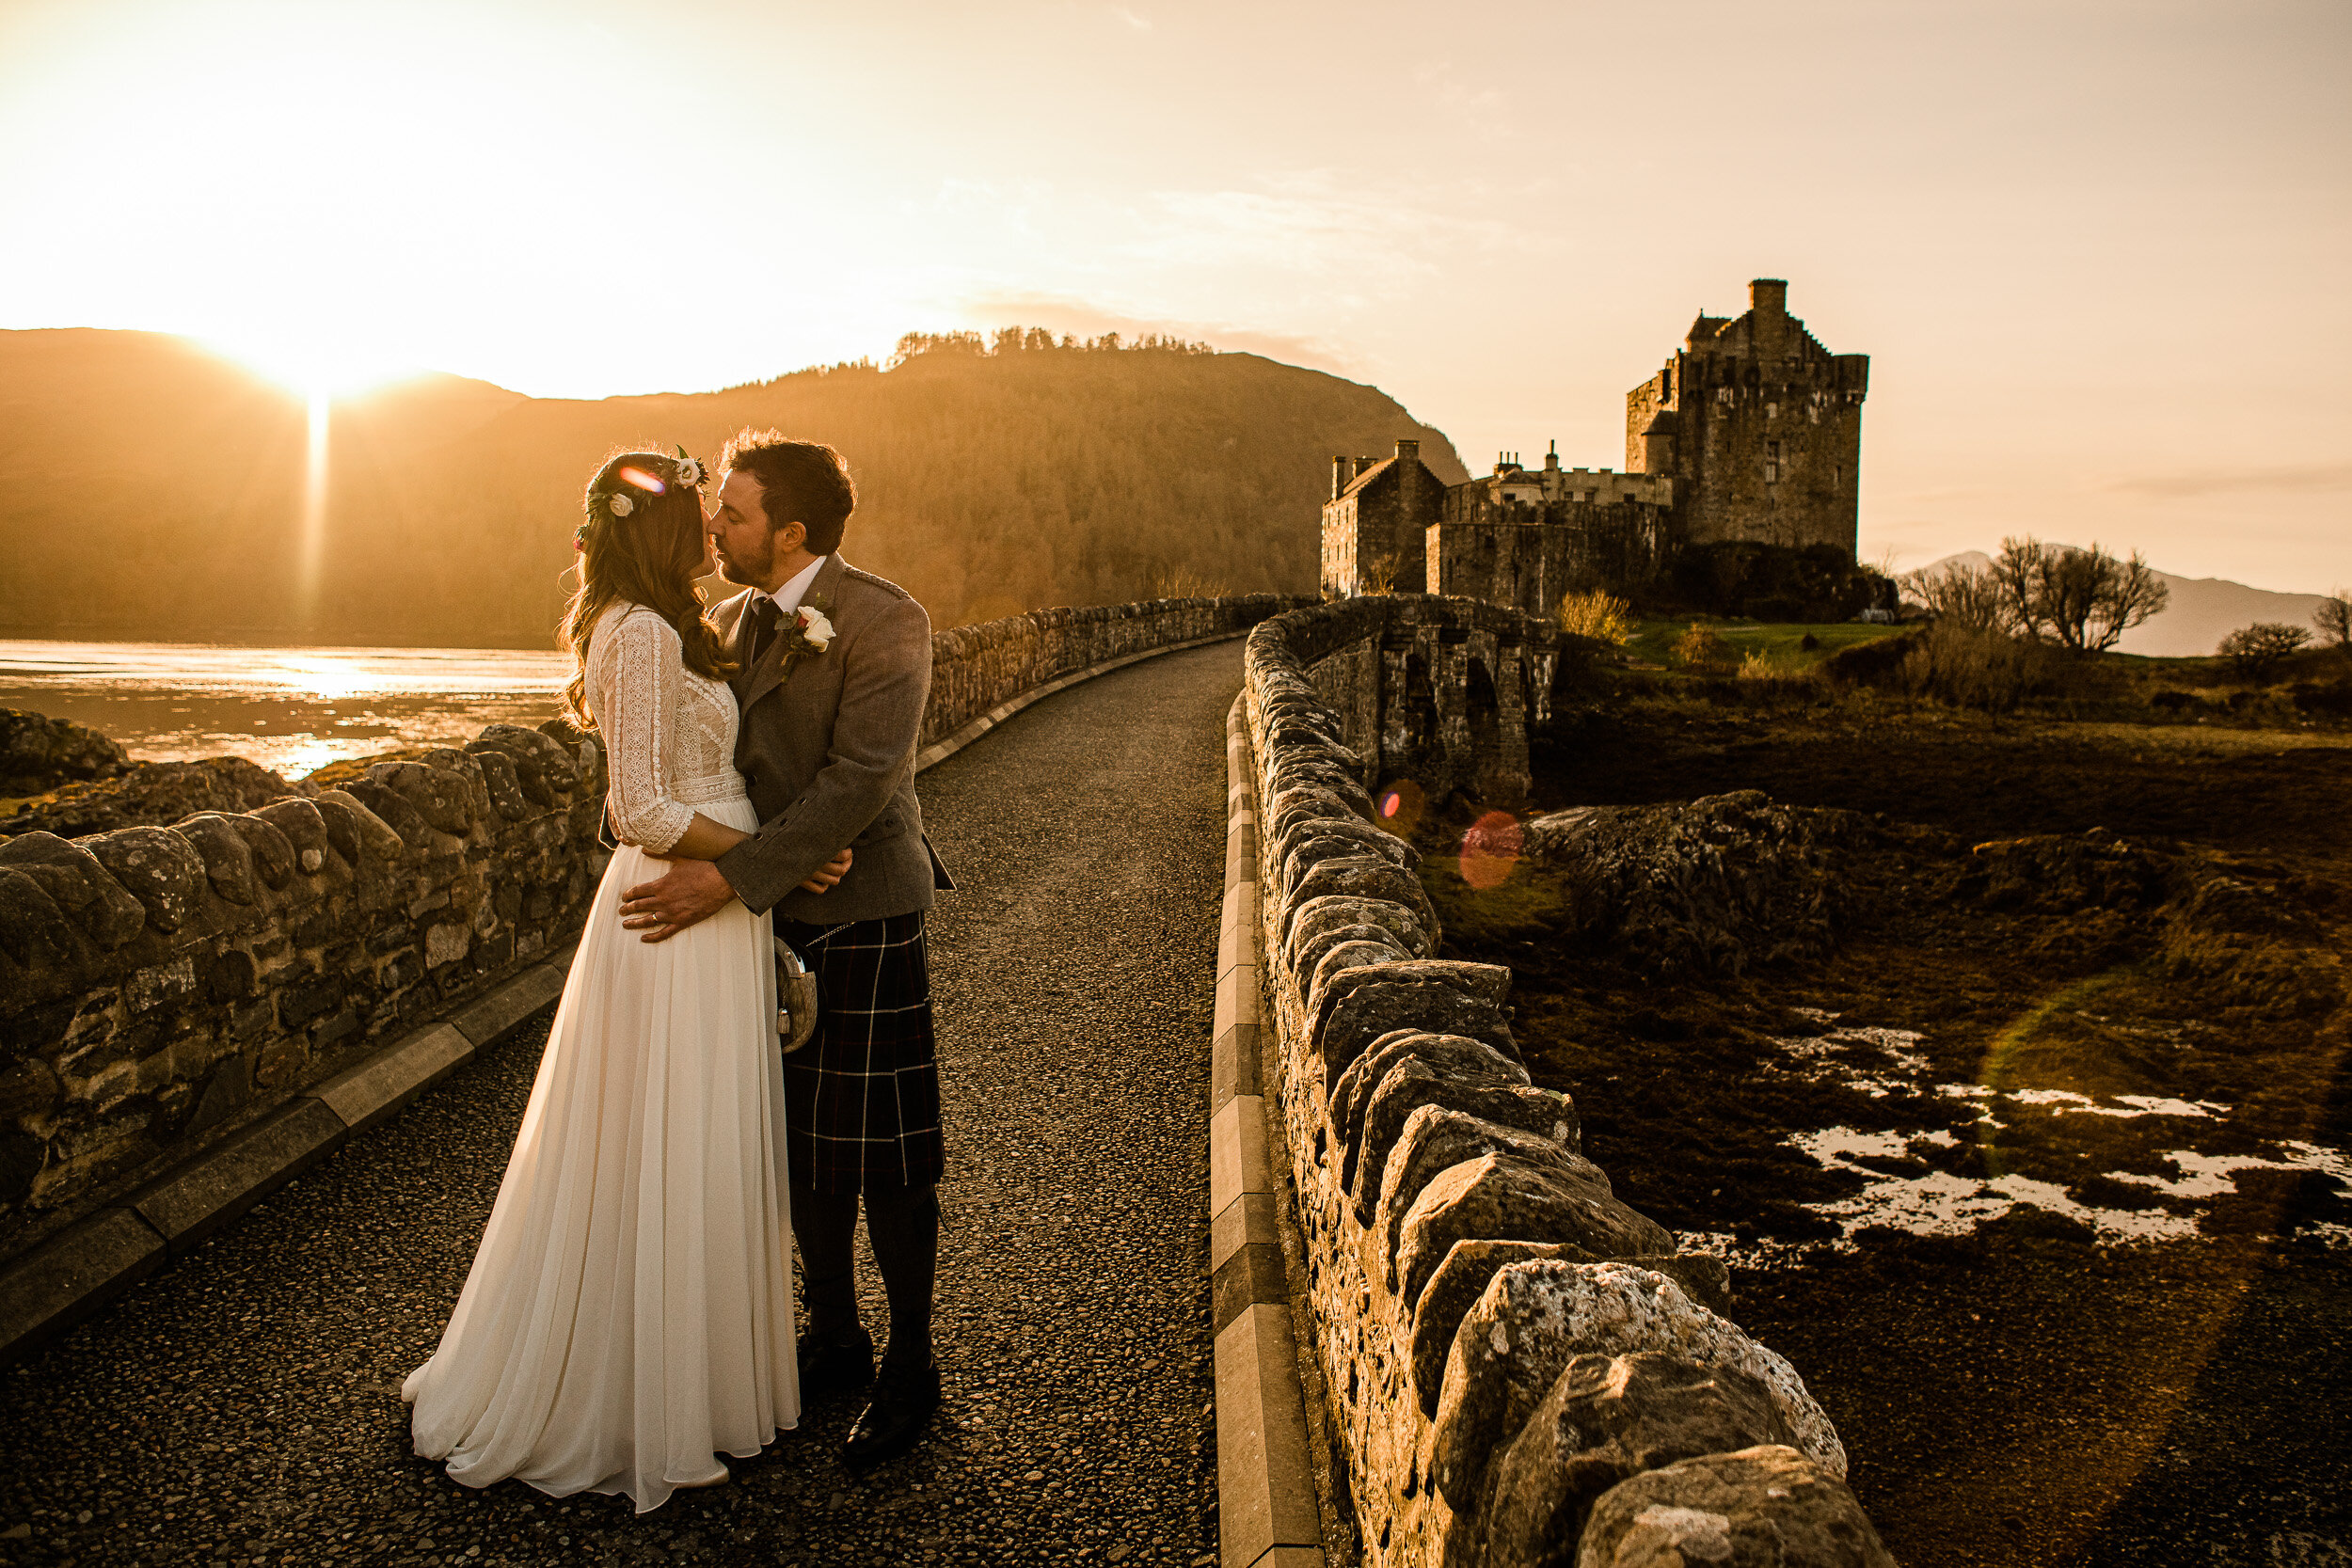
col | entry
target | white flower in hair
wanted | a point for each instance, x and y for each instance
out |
(815, 627)
(622, 506)
(690, 473)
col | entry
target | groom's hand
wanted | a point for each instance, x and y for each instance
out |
(690, 892)
(693, 891)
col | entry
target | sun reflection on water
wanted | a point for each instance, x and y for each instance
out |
(293, 711)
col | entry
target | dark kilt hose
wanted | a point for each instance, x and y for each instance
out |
(862, 1097)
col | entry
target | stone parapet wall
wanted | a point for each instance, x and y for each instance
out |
(161, 988)
(1520, 1368)
(975, 669)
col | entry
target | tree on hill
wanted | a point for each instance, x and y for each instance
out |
(2083, 600)
(1963, 595)
(2259, 650)
(2334, 618)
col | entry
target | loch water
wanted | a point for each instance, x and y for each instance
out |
(290, 709)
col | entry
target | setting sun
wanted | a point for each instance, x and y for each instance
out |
(352, 194)
(321, 368)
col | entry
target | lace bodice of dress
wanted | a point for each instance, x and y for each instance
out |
(669, 734)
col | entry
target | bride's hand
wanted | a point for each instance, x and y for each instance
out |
(825, 875)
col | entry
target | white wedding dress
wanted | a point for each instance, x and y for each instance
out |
(629, 1316)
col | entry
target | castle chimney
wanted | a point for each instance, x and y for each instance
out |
(1551, 459)
(1769, 296)
(1341, 471)
(1408, 449)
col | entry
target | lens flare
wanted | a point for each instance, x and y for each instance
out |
(1490, 850)
(312, 563)
(1400, 804)
(643, 480)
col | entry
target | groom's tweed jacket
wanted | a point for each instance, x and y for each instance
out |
(826, 748)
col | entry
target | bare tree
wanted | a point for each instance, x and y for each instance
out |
(1377, 574)
(1961, 596)
(2016, 573)
(2084, 600)
(2334, 618)
(2130, 594)
(2259, 650)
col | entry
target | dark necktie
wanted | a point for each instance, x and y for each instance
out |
(764, 618)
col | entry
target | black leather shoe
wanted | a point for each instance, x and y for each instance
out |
(837, 1364)
(904, 1398)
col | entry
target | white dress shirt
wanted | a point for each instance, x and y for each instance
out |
(788, 597)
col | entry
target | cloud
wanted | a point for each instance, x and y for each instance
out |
(1371, 246)
(1480, 108)
(1082, 319)
(2309, 479)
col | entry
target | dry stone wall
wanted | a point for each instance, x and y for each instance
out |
(973, 669)
(1521, 1369)
(161, 987)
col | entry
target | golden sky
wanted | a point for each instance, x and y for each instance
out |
(2097, 251)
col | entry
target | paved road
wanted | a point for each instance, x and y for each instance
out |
(242, 1406)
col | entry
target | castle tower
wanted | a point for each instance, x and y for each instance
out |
(1759, 426)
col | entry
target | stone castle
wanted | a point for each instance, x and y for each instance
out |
(1751, 431)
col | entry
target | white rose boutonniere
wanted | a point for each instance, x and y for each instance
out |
(814, 629)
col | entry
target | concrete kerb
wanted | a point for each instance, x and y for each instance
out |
(1268, 1515)
(74, 1275)
(941, 750)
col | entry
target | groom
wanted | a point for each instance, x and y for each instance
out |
(831, 706)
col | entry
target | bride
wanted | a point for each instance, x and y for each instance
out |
(629, 1316)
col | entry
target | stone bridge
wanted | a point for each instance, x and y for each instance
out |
(1259, 1247)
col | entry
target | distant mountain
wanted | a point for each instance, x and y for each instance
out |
(2202, 611)
(155, 491)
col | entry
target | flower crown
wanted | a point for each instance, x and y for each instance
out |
(620, 504)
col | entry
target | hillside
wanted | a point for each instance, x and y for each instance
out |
(157, 492)
(2201, 611)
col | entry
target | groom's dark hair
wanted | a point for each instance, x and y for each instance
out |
(800, 482)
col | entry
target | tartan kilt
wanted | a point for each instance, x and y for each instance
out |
(862, 1097)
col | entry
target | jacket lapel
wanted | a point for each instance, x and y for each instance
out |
(733, 618)
(773, 669)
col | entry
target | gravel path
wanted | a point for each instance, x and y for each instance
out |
(243, 1406)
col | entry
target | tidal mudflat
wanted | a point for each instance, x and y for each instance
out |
(2040, 1173)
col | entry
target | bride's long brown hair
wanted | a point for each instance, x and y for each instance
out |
(648, 554)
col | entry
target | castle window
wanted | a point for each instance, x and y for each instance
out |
(1772, 450)
(1837, 477)
(1772, 473)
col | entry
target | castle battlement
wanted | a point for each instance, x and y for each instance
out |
(1555, 487)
